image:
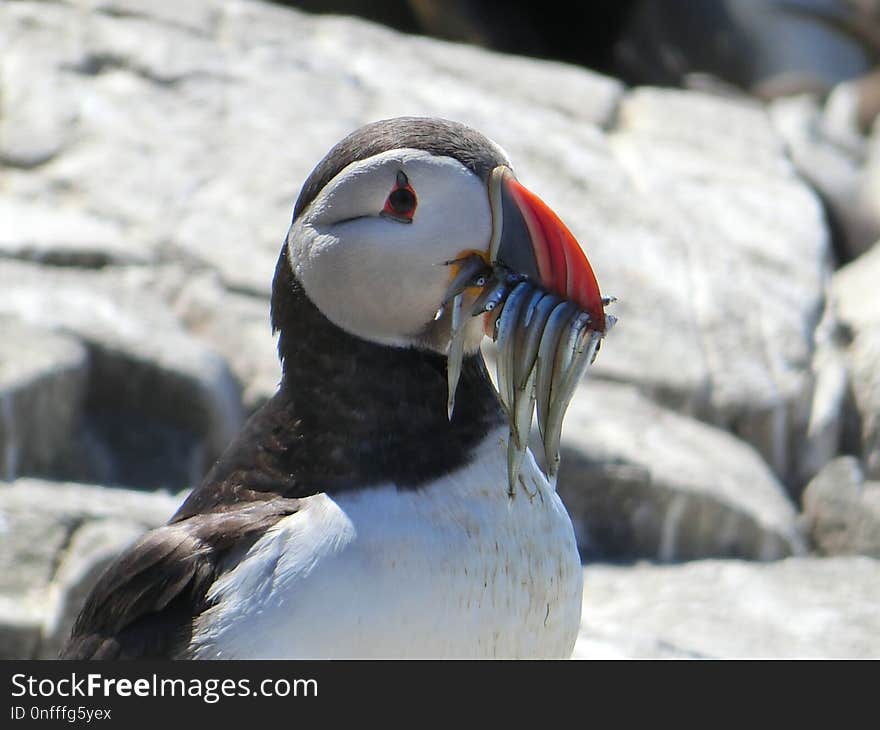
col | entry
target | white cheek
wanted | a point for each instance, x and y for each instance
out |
(374, 287)
(383, 280)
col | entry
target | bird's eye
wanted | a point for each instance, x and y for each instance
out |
(402, 201)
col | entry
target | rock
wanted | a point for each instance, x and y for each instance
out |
(61, 237)
(151, 153)
(184, 138)
(42, 389)
(641, 481)
(827, 147)
(38, 119)
(857, 300)
(160, 405)
(842, 510)
(794, 608)
(38, 518)
(238, 329)
(870, 193)
(21, 619)
(726, 332)
(826, 426)
(765, 48)
(54, 540)
(685, 202)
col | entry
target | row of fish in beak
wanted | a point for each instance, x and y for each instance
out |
(545, 345)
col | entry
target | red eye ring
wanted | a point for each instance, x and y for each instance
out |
(402, 201)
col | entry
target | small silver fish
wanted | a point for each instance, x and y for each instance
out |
(545, 345)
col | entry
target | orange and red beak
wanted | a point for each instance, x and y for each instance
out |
(529, 238)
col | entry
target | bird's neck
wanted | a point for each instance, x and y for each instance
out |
(371, 413)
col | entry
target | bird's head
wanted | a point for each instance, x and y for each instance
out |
(415, 232)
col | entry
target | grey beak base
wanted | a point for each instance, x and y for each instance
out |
(512, 245)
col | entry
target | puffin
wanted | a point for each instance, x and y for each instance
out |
(385, 503)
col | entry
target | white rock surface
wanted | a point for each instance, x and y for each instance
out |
(870, 192)
(857, 299)
(188, 132)
(54, 540)
(150, 155)
(825, 144)
(720, 267)
(842, 510)
(69, 237)
(794, 608)
(641, 481)
(238, 330)
(142, 362)
(828, 409)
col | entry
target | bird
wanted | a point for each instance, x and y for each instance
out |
(384, 502)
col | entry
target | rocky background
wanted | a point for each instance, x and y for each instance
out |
(722, 462)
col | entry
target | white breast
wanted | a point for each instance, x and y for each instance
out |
(456, 569)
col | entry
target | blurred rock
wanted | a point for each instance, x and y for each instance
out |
(724, 326)
(794, 608)
(60, 237)
(150, 162)
(857, 300)
(21, 626)
(192, 126)
(42, 388)
(688, 207)
(842, 510)
(766, 47)
(43, 121)
(867, 93)
(237, 326)
(827, 146)
(55, 539)
(156, 398)
(824, 434)
(641, 481)
(871, 187)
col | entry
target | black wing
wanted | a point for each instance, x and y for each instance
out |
(144, 604)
